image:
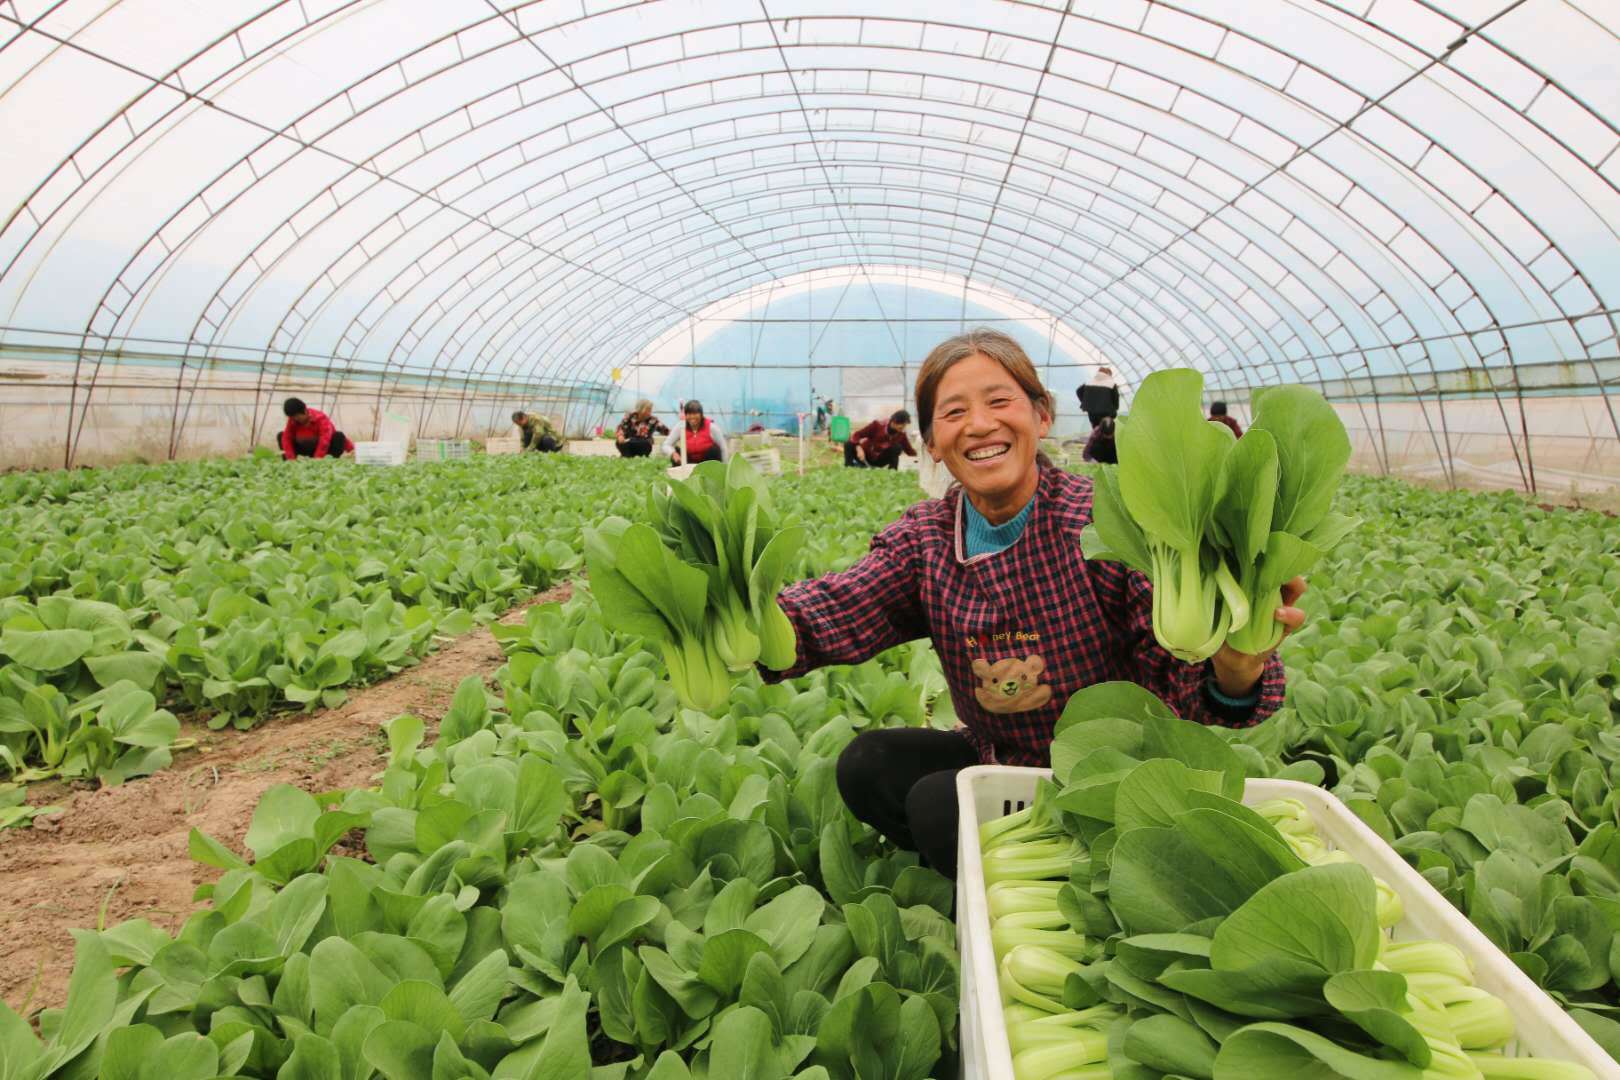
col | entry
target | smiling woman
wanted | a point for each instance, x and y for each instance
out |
(993, 574)
(984, 413)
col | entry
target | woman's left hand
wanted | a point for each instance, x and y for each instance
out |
(1236, 673)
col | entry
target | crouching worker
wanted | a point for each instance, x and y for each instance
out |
(879, 444)
(309, 433)
(993, 574)
(636, 431)
(703, 438)
(537, 432)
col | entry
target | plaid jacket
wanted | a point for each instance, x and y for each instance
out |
(877, 438)
(1017, 632)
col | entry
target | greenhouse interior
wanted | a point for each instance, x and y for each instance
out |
(674, 540)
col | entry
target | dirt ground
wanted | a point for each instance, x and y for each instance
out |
(120, 853)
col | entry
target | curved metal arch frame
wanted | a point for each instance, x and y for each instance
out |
(633, 208)
(734, 174)
(1318, 292)
(107, 338)
(1483, 358)
(989, 222)
(1010, 159)
(615, 331)
(666, 89)
(1117, 341)
(612, 330)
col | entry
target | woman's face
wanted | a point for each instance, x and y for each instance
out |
(694, 420)
(986, 431)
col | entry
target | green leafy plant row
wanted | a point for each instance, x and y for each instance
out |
(575, 880)
(234, 589)
(1458, 685)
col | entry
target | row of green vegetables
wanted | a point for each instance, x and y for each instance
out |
(231, 590)
(1458, 686)
(575, 879)
(1146, 922)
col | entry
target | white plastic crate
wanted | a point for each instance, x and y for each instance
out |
(379, 453)
(986, 792)
(766, 462)
(503, 444)
(443, 450)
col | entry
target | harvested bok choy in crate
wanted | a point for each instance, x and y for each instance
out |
(1153, 913)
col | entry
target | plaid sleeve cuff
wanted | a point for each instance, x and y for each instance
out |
(1265, 699)
(1229, 711)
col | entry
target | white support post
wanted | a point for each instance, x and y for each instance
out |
(801, 443)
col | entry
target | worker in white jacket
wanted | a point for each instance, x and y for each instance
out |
(703, 439)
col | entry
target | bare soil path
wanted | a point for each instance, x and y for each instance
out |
(125, 848)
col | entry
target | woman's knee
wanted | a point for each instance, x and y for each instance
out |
(861, 765)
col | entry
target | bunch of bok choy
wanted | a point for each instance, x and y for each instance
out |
(702, 578)
(1219, 524)
(1147, 923)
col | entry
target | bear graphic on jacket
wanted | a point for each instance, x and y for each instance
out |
(1011, 685)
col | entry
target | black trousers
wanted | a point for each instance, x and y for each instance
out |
(902, 782)
(635, 448)
(545, 444)
(889, 459)
(306, 447)
(711, 454)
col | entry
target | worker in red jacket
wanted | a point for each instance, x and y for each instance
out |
(309, 433)
(993, 574)
(879, 444)
(1217, 415)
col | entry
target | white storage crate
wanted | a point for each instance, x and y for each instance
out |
(443, 450)
(503, 444)
(766, 462)
(986, 792)
(592, 447)
(379, 453)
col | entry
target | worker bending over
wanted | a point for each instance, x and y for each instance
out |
(309, 433)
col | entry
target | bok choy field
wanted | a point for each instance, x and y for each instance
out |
(566, 876)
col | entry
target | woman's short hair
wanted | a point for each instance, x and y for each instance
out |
(294, 407)
(693, 406)
(518, 416)
(643, 406)
(980, 341)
